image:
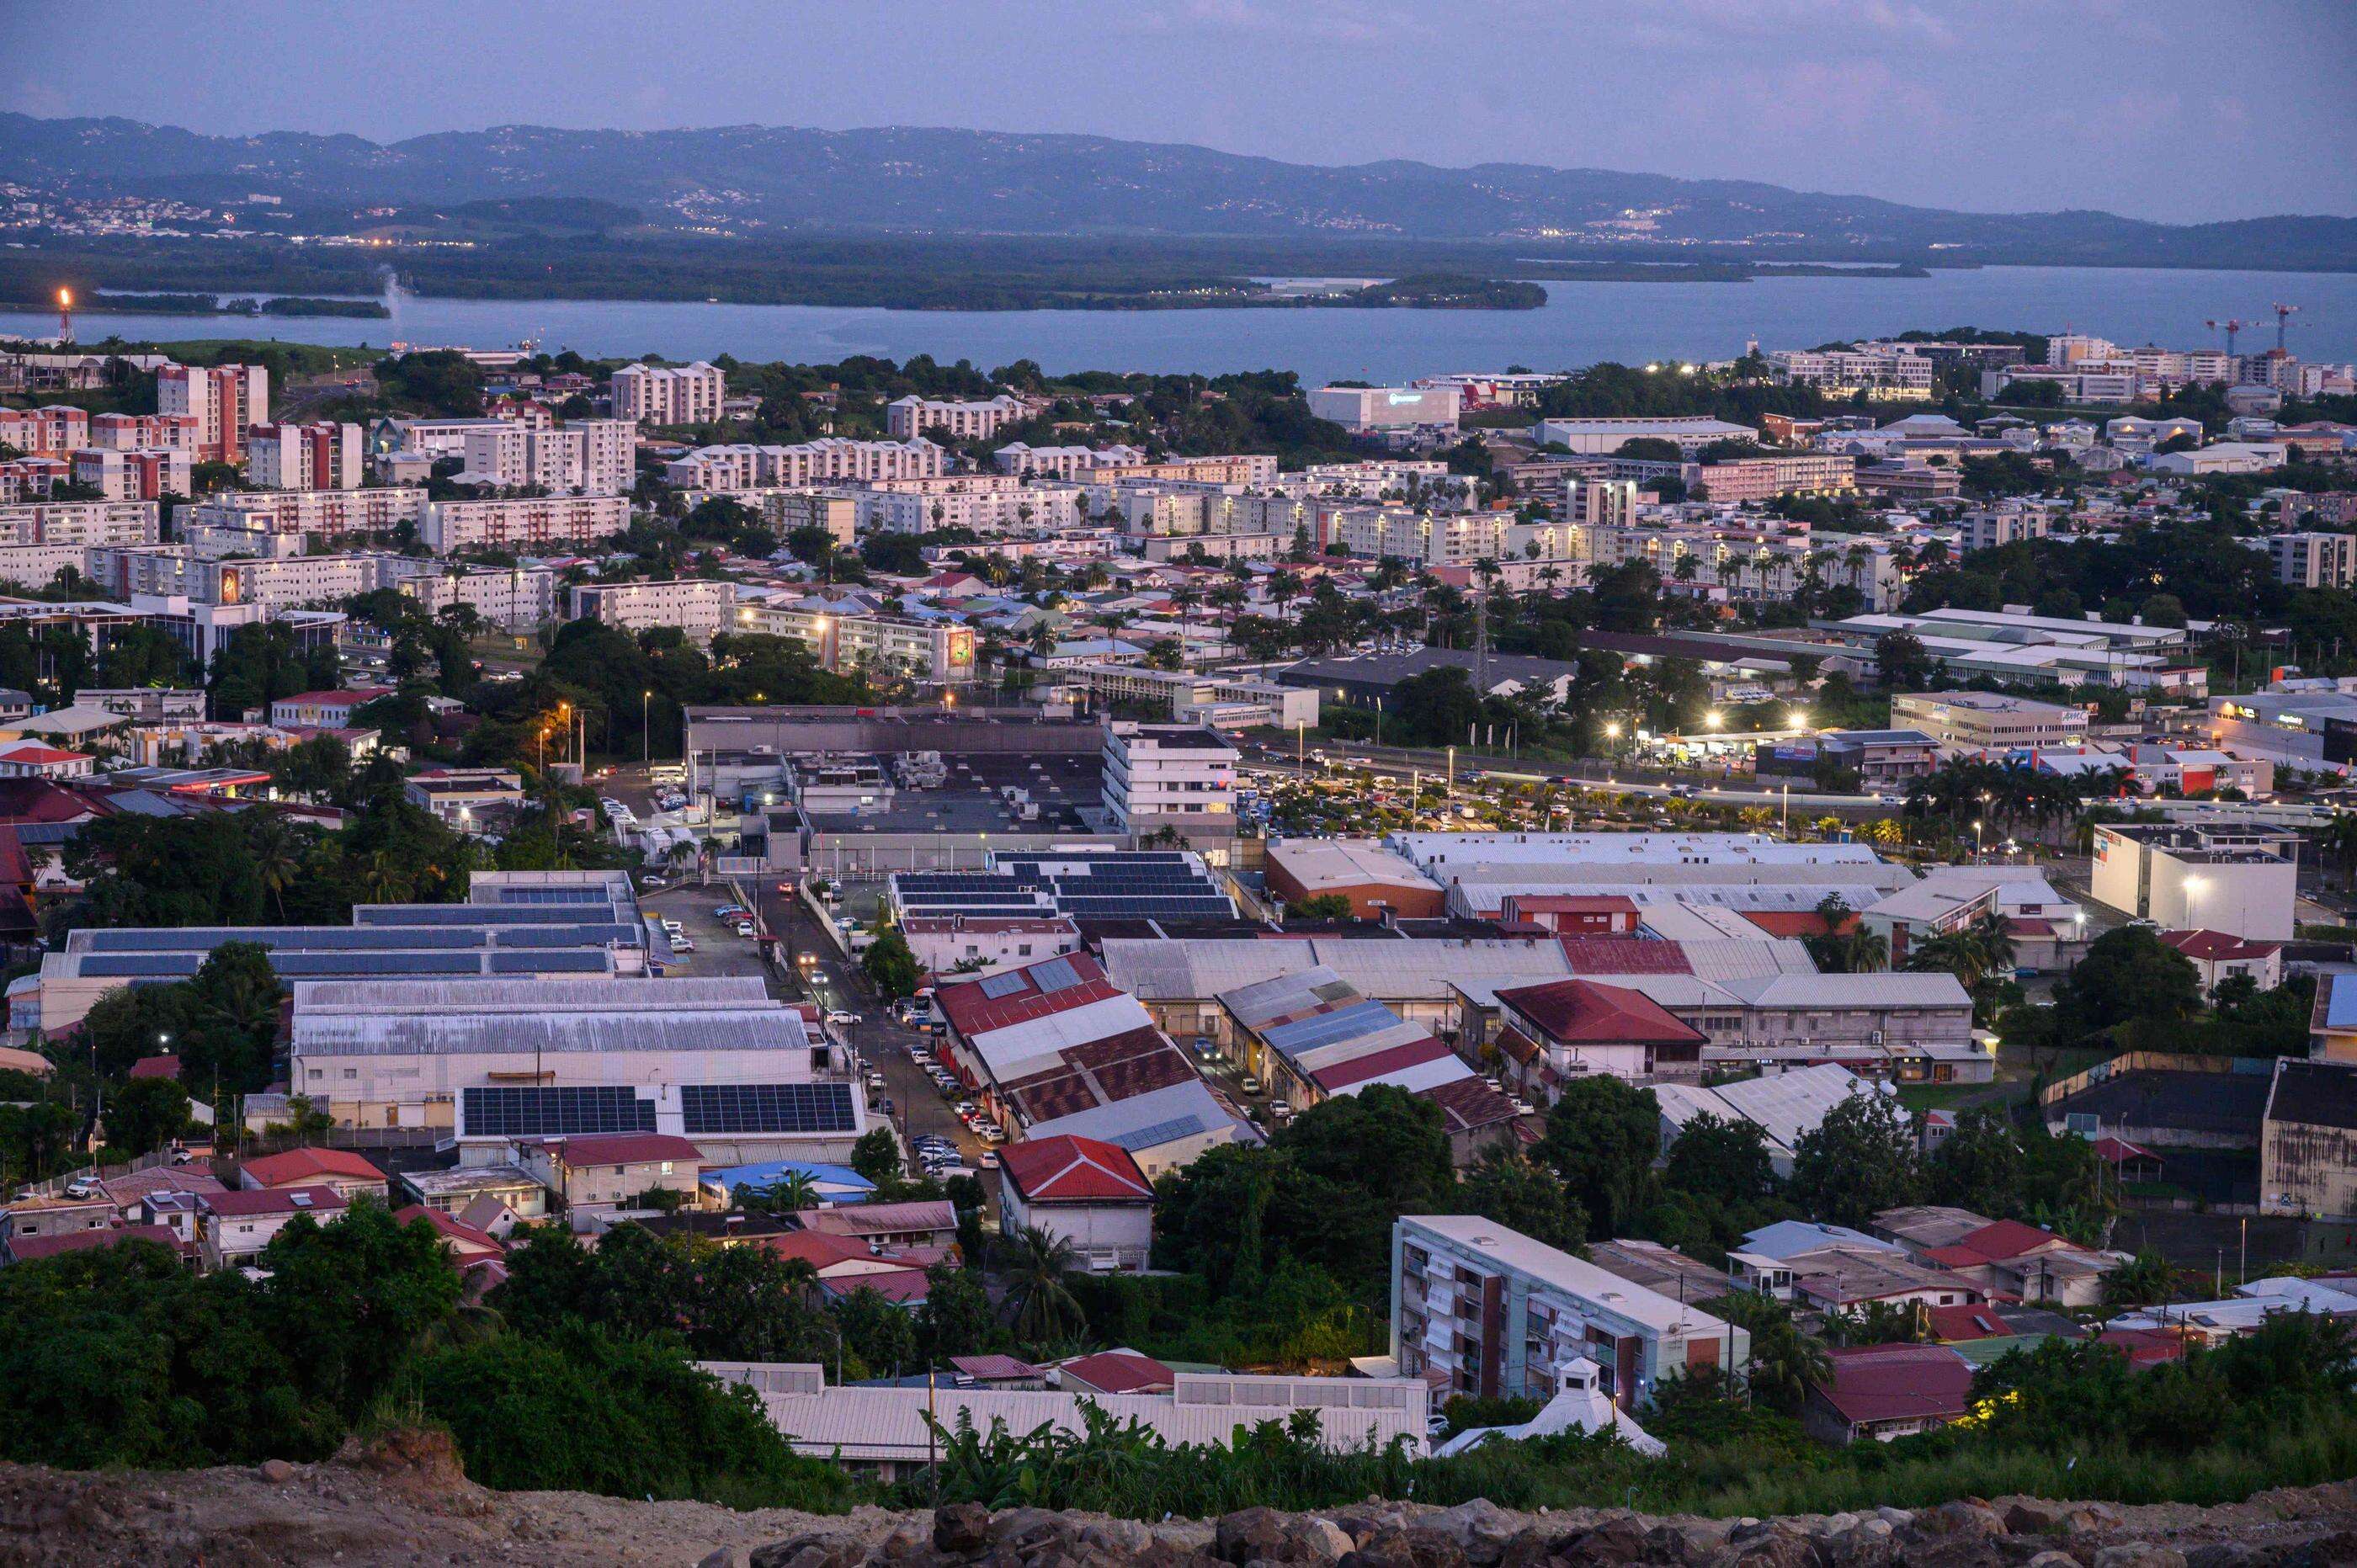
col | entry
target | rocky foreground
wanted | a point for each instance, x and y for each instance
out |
(403, 1501)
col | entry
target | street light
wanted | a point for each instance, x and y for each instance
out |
(1977, 844)
(1714, 720)
(646, 733)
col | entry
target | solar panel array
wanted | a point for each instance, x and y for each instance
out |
(736, 1108)
(1006, 985)
(539, 1111)
(1158, 884)
(1056, 974)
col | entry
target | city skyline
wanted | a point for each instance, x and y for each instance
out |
(1995, 105)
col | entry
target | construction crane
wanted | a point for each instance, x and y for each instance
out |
(2284, 313)
(2231, 326)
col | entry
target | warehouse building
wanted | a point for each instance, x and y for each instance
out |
(2241, 880)
(1375, 881)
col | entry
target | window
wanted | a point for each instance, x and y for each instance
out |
(350, 1073)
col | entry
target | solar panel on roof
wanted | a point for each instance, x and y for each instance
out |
(541, 1111)
(1138, 1138)
(725, 1108)
(1008, 984)
(1056, 974)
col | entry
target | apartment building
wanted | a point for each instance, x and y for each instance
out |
(1988, 721)
(133, 475)
(1603, 437)
(1199, 696)
(669, 395)
(1765, 479)
(1387, 408)
(964, 420)
(588, 456)
(992, 504)
(1450, 539)
(324, 457)
(830, 460)
(379, 509)
(927, 652)
(1169, 776)
(2314, 560)
(1061, 462)
(223, 399)
(51, 432)
(1497, 1314)
(79, 523)
(837, 512)
(1888, 374)
(2004, 525)
(526, 525)
(441, 439)
(699, 606)
(136, 431)
(513, 599)
(1236, 468)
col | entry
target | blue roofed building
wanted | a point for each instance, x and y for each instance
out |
(835, 1184)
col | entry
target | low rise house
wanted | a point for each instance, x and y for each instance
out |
(465, 1243)
(2002, 1257)
(923, 1222)
(1878, 1392)
(1079, 1190)
(1114, 1372)
(1566, 1029)
(2219, 957)
(609, 1170)
(348, 1174)
(234, 1227)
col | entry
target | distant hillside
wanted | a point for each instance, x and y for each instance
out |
(781, 179)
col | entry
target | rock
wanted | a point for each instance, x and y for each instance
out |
(1615, 1539)
(1897, 1519)
(2139, 1554)
(1428, 1547)
(1864, 1543)
(1774, 1545)
(1018, 1529)
(1480, 1530)
(2037, 1516)
(806, 1552)
(274, 1470)
(1125, 1537)
(726, 1557)
(1315, 1540)
(1384, 1546)
(961, 1527)
(1965, 1517)
(1250, 1533)
(2049, 1558)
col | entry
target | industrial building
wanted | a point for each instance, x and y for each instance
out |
(2239, 879)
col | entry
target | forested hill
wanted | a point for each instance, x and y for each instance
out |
(751, 179)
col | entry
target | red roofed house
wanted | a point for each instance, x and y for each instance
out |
(2220, 958)
(29, 1249)
(323, 710)
(1569, 1028)
(846, 1266)
(165, 1065)
(346, 1173)
(1089, 1193)
(33, 759)
(606, 1170)
(234, 1227)
(2133, 1162)
(1114, 1372)
(1881, 1391)
(2004, 1257)
(464, 1243)
(1571, 914)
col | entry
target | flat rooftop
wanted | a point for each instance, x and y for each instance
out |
(1062, 785)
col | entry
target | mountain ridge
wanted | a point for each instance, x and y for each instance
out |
(748, 179)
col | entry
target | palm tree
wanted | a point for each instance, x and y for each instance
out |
(382, 876)
(1885, 832)
(790, 1194)
(1040, 1304)
(276, 858)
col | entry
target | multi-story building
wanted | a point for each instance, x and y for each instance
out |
(964, 420)
(927, 652)
(1230, 699)
(51, 432)
(1603, 437)
(837, 512)
(1882, 376)
(1987, 529)
(1234, 469)
(324, 457)
(142, 432)
(377, 510)
(133, 475)
(442, 439)
(831, 460)
(699, 606)
(1765, 479)
(2241, 880)
(669, 395)
(994, 503)
(1387, 408)
(79, 523)
(1449, 539)
(515, 598)
(588, 456)
(1498, 1315)
(1988, 721)
(1170, 775)
(224, 400)
(531, 524)
(2314, 560)
(1062, 462)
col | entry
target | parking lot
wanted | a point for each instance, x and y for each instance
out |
(720, 950)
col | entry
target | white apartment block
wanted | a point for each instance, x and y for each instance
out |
(1882, 377)
(1603, 437)
(1062, 462)
(1988, 721)
(1014, 509)
(927, 652)
(837, 512)
(37, 565)
(829, 460)
(223, 399)
(515, 598)
(523, 525)
(441, 438)
(2314, 560)
(295, 581)
(1989, 529)
(79, 523)
(699, 606)
(136, 431)
(1450, 539)
(325, 457)
(133, 475)
(1234, 469)
(1176, 776)
(588, 456)
(669, 395)
(1387, 408)
(379, 509)
(52, 431)
(964, 420)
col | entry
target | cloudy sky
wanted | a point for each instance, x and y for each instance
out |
(2177, 110)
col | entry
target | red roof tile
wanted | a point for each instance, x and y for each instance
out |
(302, 1165)
(2145, 1347)
(1625, 955)
(25, 1249)
(244, 1204)
(1795, 923)
(1069, 1169)
(1581, 1011)
(1898, 1382)
(2005, 1238)
(624, 1149)
(1376, 1064)
(165, 1065)
(453, 1230)
(1120, 1372)
(1954, 1325)
(971, 1012)
(1469, 1103)
(2217, 947)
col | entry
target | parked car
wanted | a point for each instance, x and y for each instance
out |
(842, 1019)
(1251, 1086)
(745, 928)
(683, 944)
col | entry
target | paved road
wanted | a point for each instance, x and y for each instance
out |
(1433, 765)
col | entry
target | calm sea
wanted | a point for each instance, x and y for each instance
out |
(1581, 323)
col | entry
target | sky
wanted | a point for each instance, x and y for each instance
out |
(2175, 110)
